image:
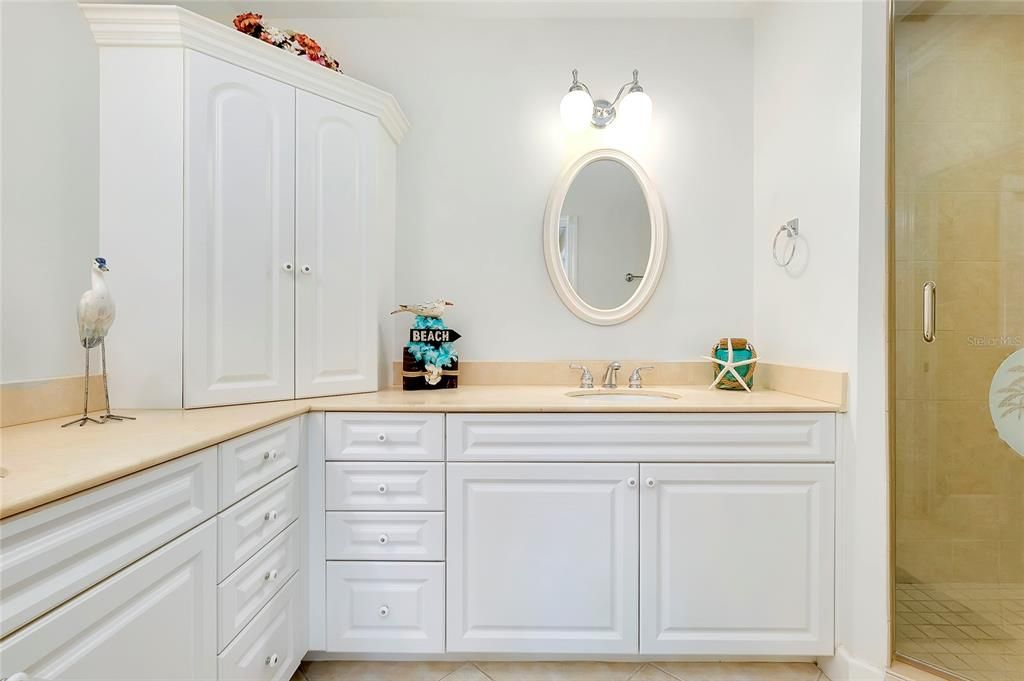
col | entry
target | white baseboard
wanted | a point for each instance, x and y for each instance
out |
(843, 667)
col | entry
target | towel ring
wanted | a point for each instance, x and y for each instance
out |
(791, 229)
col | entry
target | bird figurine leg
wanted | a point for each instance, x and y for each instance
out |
(85, 408)
(106, 393)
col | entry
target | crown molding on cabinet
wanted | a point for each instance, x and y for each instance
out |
(171, 26)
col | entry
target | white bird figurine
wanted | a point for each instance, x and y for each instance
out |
(95, 317)
(434, 308)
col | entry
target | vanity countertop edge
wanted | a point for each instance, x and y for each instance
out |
(41, 462)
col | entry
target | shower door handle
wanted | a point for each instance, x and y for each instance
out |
(928, 327)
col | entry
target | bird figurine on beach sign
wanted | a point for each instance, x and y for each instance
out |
(95, 317)
(434, 309)
(429, 360)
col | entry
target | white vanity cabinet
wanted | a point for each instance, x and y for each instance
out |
(657, 534)
(246, 210)
(737, 559)
(142, 579)
(542, 558)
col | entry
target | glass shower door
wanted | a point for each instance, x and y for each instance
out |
(958, 342)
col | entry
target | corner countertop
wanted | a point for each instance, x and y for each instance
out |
(41, 462)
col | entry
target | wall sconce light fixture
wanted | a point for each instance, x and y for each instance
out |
(579, 108)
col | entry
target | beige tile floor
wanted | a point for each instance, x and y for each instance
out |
(975, 631)
(558, 671)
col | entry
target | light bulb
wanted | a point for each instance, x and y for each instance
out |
(576, 109)
(635, 109)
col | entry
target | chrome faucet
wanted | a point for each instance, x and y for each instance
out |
(634, 378)
(610, 377)
(586, 378)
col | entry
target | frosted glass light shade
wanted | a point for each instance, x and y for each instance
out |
(576, 109)
(635, 109)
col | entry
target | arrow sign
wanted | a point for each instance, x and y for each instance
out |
(433, 336)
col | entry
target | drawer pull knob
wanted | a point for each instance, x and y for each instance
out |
(631, 482)
(382, 488)
(383, 611)
(381, 437)
(272, 660)
(270, 455)
(271, 576)
(650, 482)
(270, 515)
(383, 539)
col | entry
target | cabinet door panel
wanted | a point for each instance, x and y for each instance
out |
(336, 325)
(239, 235)
(542, 558)
(737, 559)
(154, 620)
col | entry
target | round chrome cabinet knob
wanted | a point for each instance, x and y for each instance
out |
(383, 611)
(382, 488)
(631, 482)
(382, 437)
(287, 267)
(271, 576)
(272, 660)
(306, 269)
(649, 482)
(383, 539)
(270, 455)
(270, 515)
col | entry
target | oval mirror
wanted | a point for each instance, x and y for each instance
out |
(604, 237)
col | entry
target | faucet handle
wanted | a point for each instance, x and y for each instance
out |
(634, 378)
(586, 378)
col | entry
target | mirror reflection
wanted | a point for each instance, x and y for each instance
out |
(604, 234)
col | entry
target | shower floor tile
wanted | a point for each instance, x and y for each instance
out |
(975, 631)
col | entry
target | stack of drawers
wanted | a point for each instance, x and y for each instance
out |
(385, 532)
(260, 595)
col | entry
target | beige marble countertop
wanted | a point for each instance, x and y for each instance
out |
(41, 462)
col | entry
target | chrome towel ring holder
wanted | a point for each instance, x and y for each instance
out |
(791, 229)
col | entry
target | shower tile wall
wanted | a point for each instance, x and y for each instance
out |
(960, 222)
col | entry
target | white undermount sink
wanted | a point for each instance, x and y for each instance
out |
(624, 395)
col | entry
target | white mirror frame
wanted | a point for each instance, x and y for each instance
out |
(659, 237)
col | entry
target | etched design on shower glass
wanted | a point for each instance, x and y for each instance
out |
(1006, 401)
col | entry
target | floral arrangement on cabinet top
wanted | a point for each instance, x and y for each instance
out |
(298, 44)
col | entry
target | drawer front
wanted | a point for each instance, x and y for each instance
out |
(272, 645)
(385, 437)
(247, 526)
(251, 461)
(385, 607)
(241, 596)
(385, 486)
(377, 535)
(641, 437)
(152, 621)
(57, 551)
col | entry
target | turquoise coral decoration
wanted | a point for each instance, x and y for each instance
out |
(430, 354)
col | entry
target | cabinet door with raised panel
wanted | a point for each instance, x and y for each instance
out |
(239, 235)
(335, 296)
(154, 620)
(736, 559)
(542, 558)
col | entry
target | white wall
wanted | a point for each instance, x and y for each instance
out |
(486, 146)
(819, 140)
(48, 219)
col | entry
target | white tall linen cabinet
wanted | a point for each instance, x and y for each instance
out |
(246, 211)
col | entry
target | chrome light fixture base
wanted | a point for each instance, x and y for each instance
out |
(604, 113)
